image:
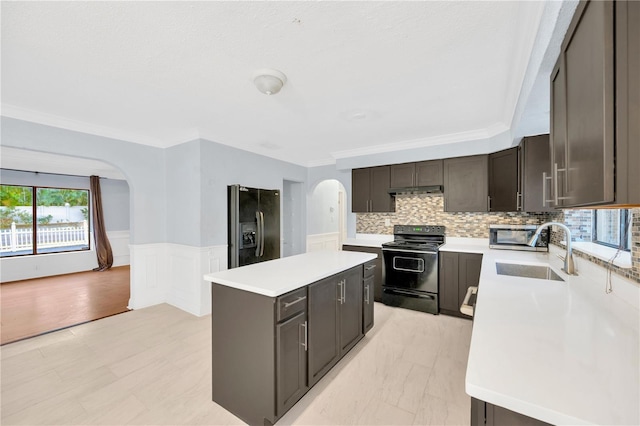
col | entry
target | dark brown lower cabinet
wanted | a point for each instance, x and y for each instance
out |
(335, 320)
(458, 272)
(377, 265)
(483, 413)
(291, 361)
(367, 305)
(268, 351)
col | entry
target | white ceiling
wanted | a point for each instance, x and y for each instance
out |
(360, 74)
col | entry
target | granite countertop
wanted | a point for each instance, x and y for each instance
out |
(276, 277)
(561, 352)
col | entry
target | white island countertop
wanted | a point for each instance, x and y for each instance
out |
(277, 277)
(561, 352)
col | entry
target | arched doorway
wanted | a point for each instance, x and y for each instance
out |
(52, 293)
(327, 216)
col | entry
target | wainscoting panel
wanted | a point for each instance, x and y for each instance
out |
(119, 241)
(187, 289)
(148, 275)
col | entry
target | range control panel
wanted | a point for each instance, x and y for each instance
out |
(418, 230)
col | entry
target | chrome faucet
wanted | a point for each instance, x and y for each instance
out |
(569, 266)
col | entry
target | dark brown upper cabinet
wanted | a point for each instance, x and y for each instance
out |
(504, 181)
(466, 186)
(424, 173)
(370, 190)
(595, 112)
(534, 162)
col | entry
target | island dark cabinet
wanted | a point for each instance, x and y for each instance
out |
(375, 266)
(335, 320)
(351, 309)
(324, 327)
(367, 297)
(370, 190)
(466, 186)
(458, 272)
(424, 173)
(595, 126)
(483, 413)
(504, 181)
(268, 351)
(291, 361)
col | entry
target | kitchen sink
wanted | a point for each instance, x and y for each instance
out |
(527, 271)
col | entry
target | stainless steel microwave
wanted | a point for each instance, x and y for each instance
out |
(515, 237)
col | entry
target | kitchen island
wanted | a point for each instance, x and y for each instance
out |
(561, 352)
(279, 326)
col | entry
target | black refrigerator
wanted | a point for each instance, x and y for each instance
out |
(254, 225)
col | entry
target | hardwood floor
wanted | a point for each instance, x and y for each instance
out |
(33, 307)
(152, 366)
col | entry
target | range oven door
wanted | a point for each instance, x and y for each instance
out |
(411, 270)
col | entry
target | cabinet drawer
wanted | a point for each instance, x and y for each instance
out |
(291, 303)
(369, 268)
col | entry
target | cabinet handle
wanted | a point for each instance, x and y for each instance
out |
(545, 178)
(555, 183)
(299, 299)
(366, 294)
(340, 296)
(488, 203)
(344, 291)
(519, 201)
(370, 267)
(305, 336)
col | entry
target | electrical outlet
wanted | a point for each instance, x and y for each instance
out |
(387, 222)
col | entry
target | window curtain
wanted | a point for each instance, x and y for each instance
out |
(103, 248)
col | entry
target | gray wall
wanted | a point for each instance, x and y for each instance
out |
(143, 166)
(178, 194)
(115, 193)
(222, 165)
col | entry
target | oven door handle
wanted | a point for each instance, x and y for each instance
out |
(409, 251)
(466, 308)
(409, 294)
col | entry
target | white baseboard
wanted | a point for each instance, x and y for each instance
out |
(172, 273)
(328, 241)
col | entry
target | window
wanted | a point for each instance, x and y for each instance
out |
(61, 220)
(612, 227)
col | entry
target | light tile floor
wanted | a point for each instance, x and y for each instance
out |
(153, 367)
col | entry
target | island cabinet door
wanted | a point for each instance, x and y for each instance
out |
(324, 327)
(367, 304)
(350, 309)
(291, 359)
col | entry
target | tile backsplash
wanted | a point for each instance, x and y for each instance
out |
(422, 209)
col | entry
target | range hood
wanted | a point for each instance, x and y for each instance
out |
(432, 189)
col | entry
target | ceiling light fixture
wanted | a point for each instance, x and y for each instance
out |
(269, 81)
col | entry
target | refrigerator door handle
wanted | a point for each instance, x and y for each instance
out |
(261, 234)
(258, 234)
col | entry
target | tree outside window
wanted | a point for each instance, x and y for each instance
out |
(61, 223)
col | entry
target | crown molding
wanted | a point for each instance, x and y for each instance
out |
(25, 114)
(471, 135)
